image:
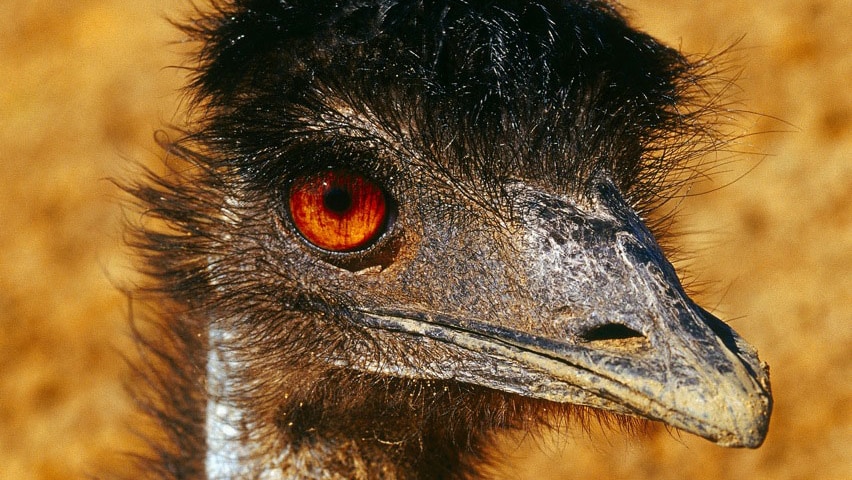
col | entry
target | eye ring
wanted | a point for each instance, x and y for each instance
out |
(338, 210)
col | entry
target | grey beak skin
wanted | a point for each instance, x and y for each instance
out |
(615, 330)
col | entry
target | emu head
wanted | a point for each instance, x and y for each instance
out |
(420, 208)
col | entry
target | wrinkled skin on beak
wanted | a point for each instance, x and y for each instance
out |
(575, 303)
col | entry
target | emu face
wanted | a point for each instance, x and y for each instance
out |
(410, 223)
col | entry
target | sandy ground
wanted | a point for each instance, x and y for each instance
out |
(83, 87)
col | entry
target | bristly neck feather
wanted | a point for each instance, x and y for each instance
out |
(343, 424)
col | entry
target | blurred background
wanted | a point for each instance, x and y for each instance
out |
(84, 85)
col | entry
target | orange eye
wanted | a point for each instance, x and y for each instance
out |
(338, 210)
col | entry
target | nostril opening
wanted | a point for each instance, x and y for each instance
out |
(611, 331)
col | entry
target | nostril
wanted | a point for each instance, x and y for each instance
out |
(612, 332)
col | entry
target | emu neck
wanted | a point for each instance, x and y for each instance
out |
(241, 445)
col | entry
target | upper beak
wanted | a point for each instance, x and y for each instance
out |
(615, 329)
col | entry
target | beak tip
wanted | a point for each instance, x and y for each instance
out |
(750, 423)
(751, 436)
(735, 412)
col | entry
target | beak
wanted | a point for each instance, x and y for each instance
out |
(615, 329)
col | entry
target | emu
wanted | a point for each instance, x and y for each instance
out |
(400, 226)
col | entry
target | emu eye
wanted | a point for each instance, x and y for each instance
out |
(338, 210)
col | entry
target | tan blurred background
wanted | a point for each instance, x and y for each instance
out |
(83, 87)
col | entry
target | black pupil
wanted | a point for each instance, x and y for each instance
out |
(337, 199)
